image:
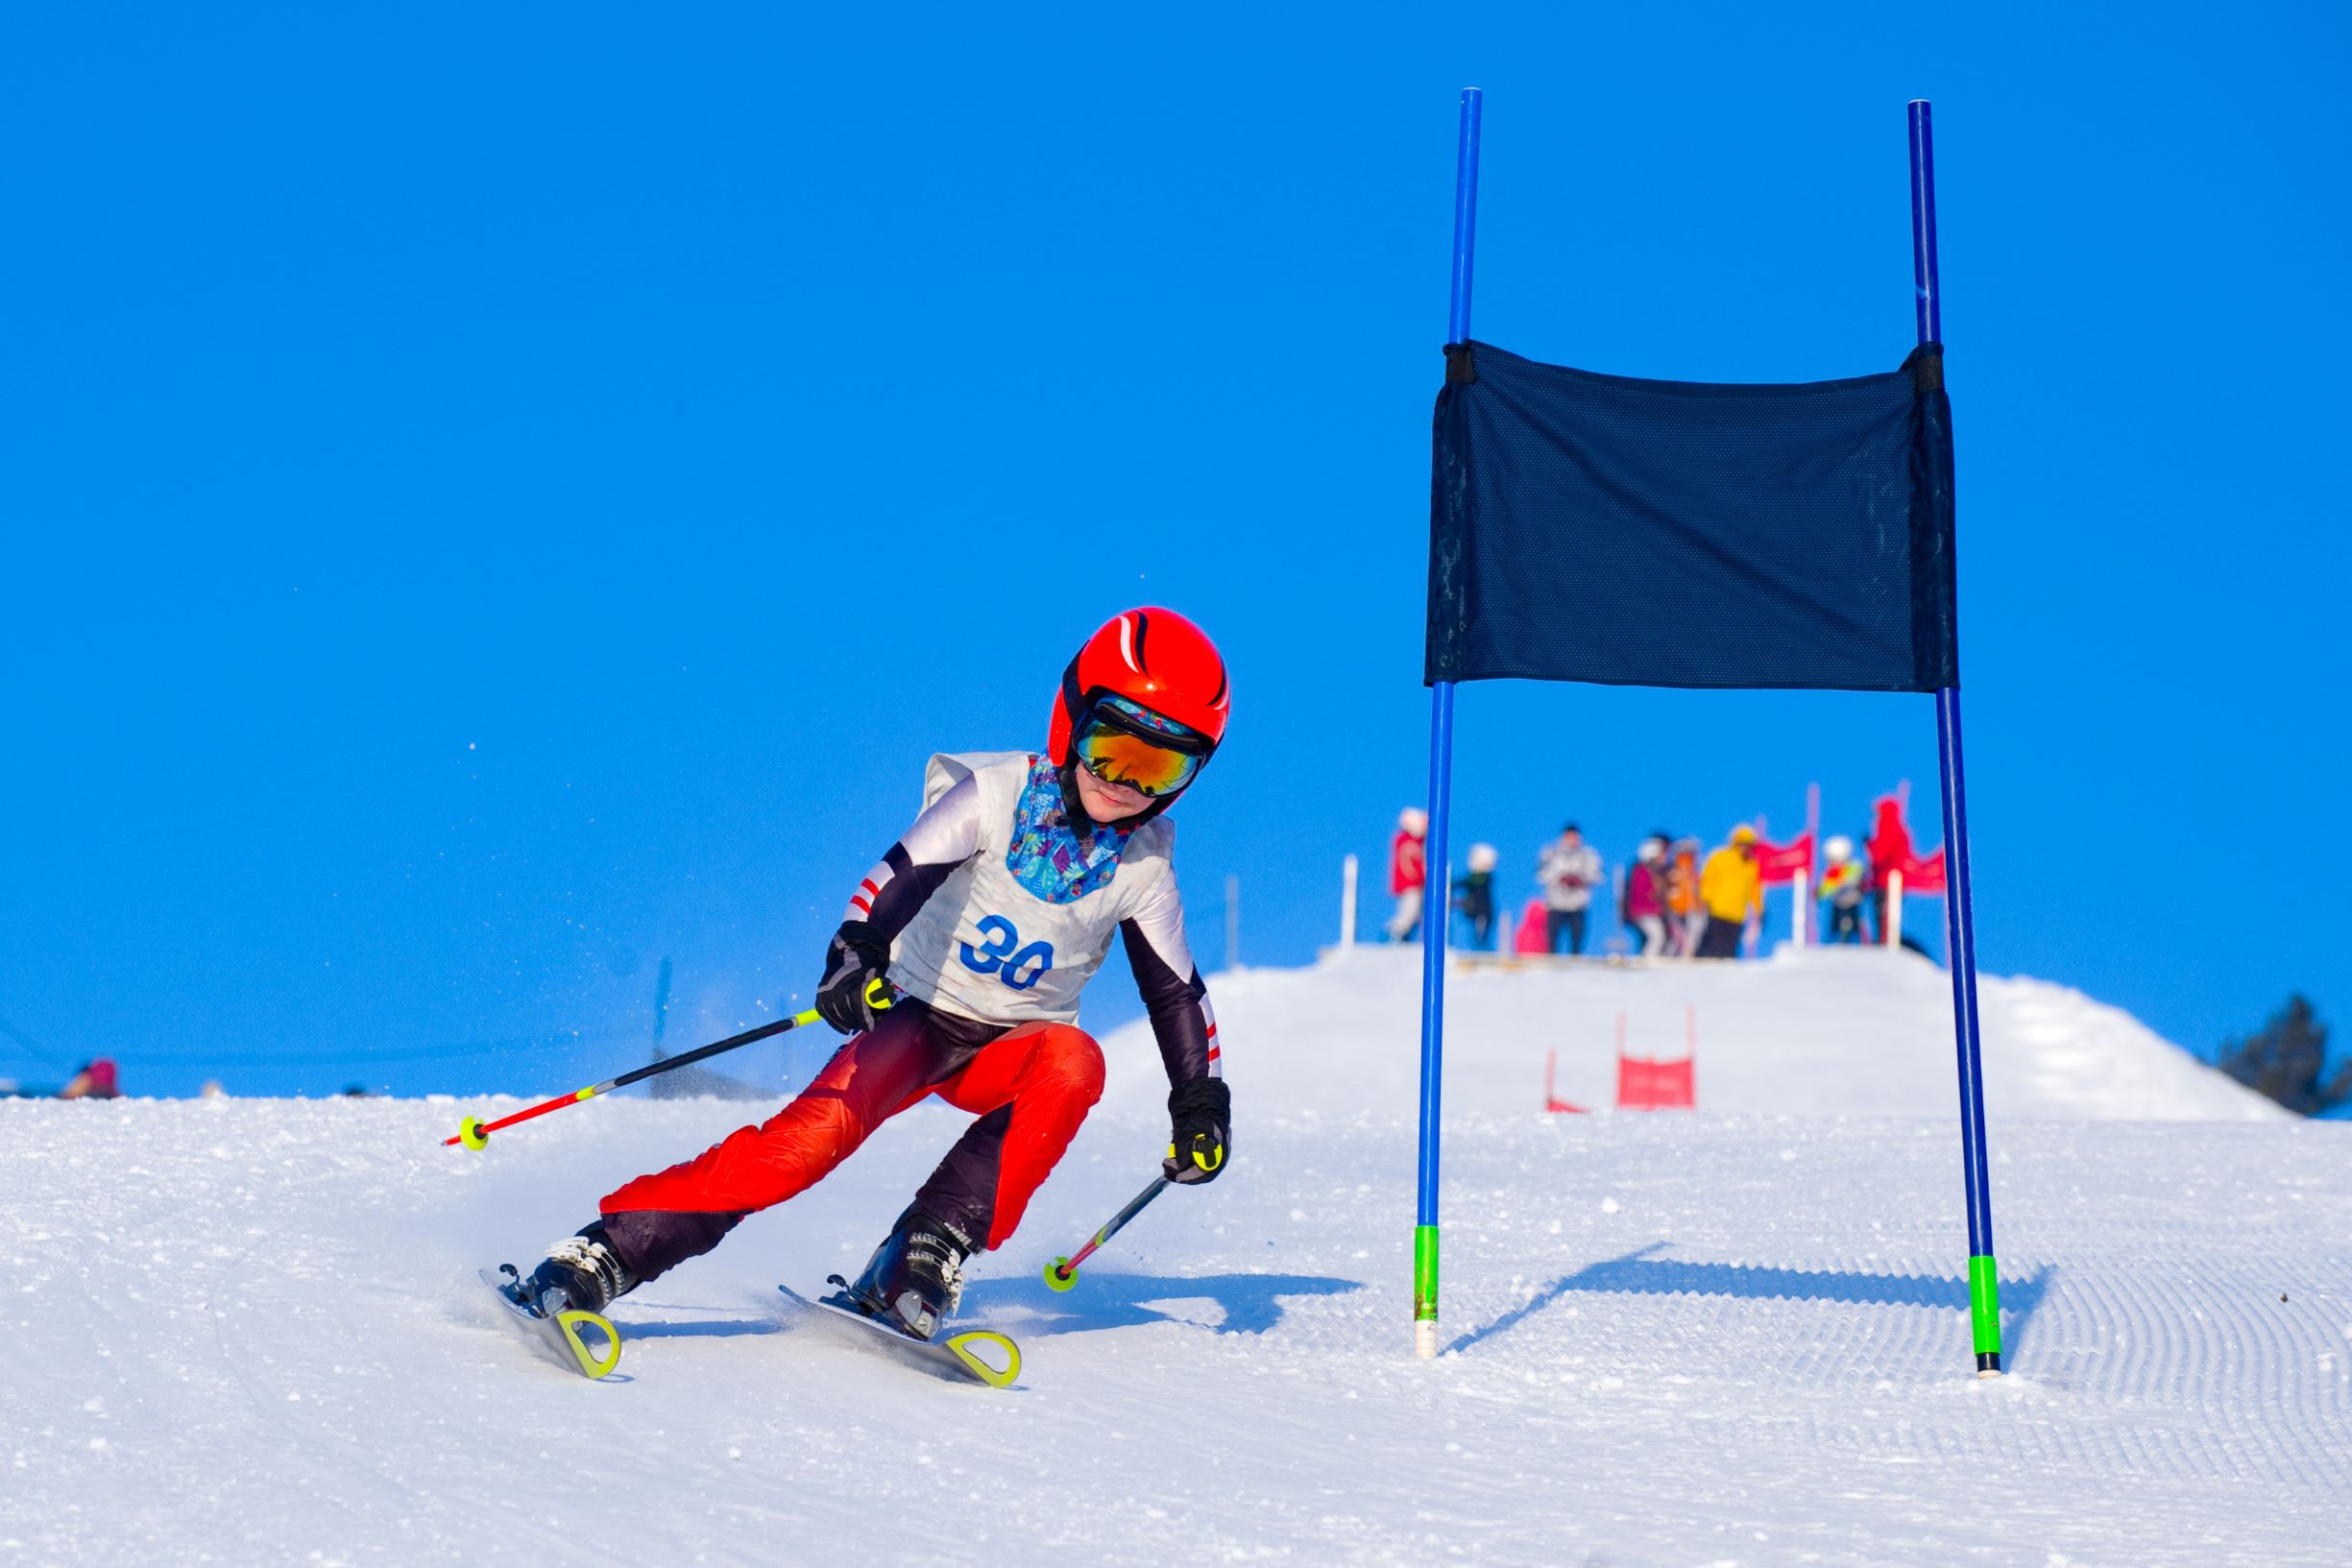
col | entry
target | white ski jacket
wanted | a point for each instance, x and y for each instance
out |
(968, 937)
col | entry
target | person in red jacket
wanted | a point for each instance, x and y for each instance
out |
(1889, 850)
(92, 1081)
(1408, 871)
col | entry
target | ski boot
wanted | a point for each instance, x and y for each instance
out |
(580, 1273)
(915, 1278)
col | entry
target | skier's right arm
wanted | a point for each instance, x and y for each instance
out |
(942, 838)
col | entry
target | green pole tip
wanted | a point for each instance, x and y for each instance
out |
(1425, 1271)
(1984, 1310)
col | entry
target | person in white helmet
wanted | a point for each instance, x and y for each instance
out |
(1843, 887)
(1408, 871)
(1474, 897)
(1645, 897)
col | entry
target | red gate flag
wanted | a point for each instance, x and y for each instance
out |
(1781, 862)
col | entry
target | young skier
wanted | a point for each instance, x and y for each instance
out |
(986, 919)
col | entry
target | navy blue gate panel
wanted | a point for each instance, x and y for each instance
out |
(1600, 528)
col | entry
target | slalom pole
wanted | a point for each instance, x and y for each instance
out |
(475, 1134)
(1062, 1273)
(1435, 856)
(1983, 1279)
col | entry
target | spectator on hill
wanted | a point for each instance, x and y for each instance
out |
(1569, 869)
(1475, 897)
(92, 1080)
(1645, 897)
(1408, 871)
(1890, 849)
(1682, 898)
(1530, 936)
(1732, 887)
(1843, 887)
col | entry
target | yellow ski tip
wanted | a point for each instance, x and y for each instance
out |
(592, 1363)
(961, 1343)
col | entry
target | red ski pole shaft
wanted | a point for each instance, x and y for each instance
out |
(474, 1134)
(1062, 1273)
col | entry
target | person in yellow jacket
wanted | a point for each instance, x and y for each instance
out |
(1732, 887)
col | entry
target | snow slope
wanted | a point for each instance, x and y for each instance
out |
(244, 1332)
(1846, 1031)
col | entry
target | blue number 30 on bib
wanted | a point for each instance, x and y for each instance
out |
(1018, 967)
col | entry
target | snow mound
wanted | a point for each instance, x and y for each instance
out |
(1843, 1031)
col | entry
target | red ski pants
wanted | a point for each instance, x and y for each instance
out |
(1030, 1086)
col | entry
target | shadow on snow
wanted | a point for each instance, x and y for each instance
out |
(708, 1328)
(1252, 1303)
(1637, 1273)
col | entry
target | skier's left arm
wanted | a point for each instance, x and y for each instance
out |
(1200, 1109)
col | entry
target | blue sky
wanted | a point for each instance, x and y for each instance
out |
(495, 501)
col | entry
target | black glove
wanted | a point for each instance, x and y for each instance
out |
(855, 961)
(1199, 1130)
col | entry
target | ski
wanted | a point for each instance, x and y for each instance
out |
(951, 1356)
(558, 1334)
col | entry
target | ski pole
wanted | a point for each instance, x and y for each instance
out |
(1062, 1273)
(475, 1134)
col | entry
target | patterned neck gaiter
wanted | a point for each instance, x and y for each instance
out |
(1048, 856)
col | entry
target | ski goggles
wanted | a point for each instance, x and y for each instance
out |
(1122, 743)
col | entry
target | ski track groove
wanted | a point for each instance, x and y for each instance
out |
(2134, 1332)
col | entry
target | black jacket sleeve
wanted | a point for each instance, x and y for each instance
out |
(1174, 993)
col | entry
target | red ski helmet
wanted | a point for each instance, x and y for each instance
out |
(1154, 659)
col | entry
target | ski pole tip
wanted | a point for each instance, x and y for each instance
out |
(470, 1134)
(1059, 1276)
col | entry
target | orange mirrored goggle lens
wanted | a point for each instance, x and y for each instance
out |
(1115, 757)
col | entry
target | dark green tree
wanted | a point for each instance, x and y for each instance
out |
(2286, 1060)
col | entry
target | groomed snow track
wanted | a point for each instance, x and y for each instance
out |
(248, 1332)
(245, 1333)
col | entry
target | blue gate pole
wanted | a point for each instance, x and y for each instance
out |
(1436, 860)
(1983, 1288)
